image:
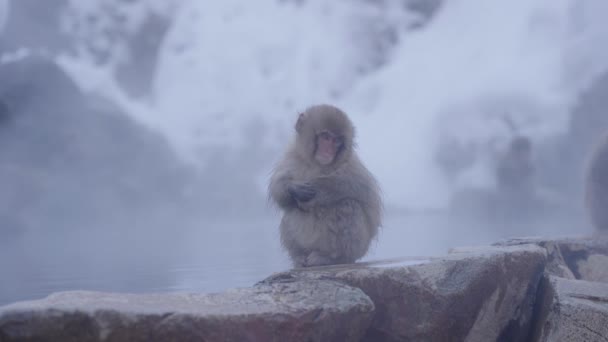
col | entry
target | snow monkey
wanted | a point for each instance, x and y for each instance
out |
(515, 171)
(596, 187)
(331, 203)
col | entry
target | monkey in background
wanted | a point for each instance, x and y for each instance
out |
(515, 171)
(596, 186)
(331, 203)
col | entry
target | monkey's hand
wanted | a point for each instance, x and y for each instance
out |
(302, 193)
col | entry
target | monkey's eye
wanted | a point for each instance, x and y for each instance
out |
(338, 141)
(325, 136)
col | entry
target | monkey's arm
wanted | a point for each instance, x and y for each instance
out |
(357, 185)
(301, 193)
(331, 189)
(288, 193)
(278, 191)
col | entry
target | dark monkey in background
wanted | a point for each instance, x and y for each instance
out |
(596, 186)
(515, 171)
(331, 203)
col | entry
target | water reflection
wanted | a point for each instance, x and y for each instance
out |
(216, 255)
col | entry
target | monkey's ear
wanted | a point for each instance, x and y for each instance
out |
(300, 122)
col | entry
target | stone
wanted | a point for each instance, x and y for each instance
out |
(571, 311)
(473, 294)
(556, 265)
(310, 310)
(584, 258)
(587, 257)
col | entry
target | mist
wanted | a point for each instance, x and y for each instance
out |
(137, 138)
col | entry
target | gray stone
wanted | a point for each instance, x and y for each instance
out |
(310, 310)
(584, 258)
(587, 258)
(556, 264)
(473, 294)
(572, 311)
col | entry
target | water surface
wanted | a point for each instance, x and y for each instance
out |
(214, 255)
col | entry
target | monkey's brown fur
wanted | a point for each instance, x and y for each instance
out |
(596, 187)
(331, 212)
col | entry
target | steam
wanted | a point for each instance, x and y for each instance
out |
(225, 65)
(473, 63)
(4, 10)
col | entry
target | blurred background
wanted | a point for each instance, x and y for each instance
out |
(137, 136)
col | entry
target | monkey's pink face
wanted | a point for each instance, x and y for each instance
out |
(328, 146)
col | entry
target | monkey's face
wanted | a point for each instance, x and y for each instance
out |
(324, 136)
(328, 145)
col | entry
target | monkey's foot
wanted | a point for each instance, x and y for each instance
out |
(317, 259)
(299, 261)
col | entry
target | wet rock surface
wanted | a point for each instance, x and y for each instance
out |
(314, 310)
(572, 310)
(584, 258)
(474, 294)
(587, 258)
